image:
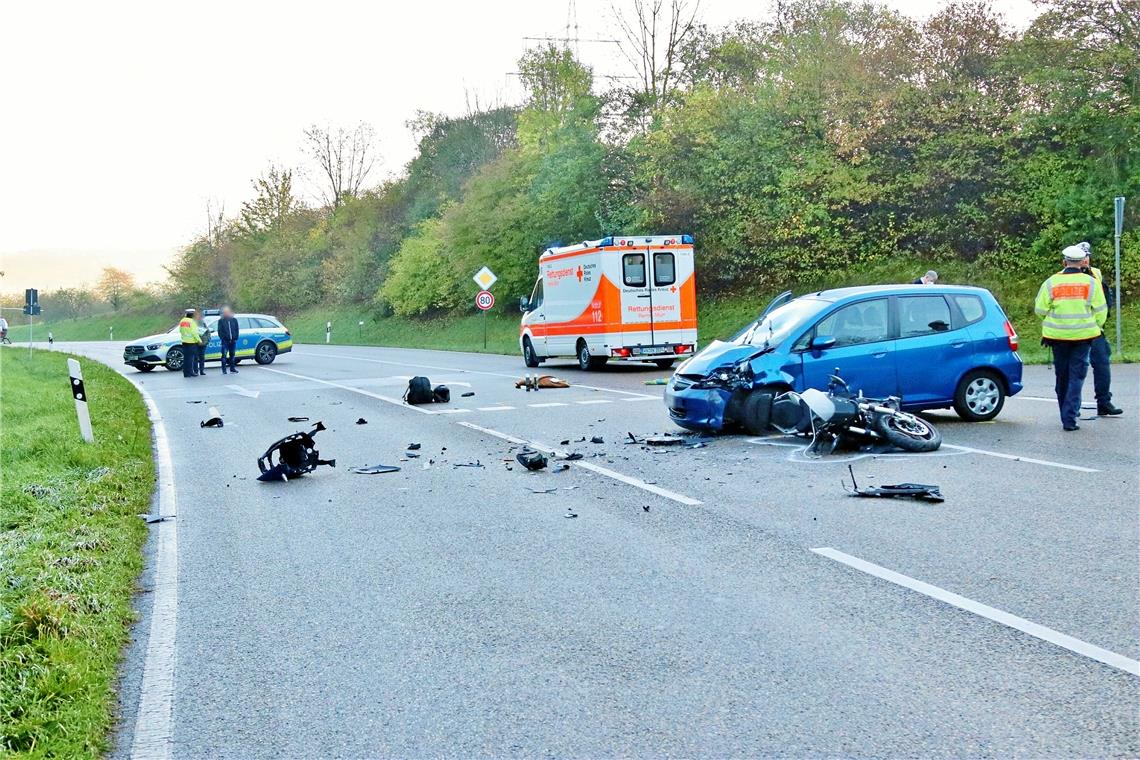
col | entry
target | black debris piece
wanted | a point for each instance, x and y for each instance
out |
(411, 454)
(597, 439)
(561, 468)
(632, 438)
(361, 421)
(664, 440)
(565, 443)
(476, 463)
(195, 402)
(467, 394)
(573, 455)
(570, 515)
(292, 456)
(580, 440)
(542, 490)
(645, 508)
(213, 421)
(298, 419)
(532, 460)
(376, 469)
(918, 491)
(157, 518)
(413, 447)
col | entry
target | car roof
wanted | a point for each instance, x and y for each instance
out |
(839, 294)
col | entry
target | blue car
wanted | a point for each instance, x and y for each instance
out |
(933, 346)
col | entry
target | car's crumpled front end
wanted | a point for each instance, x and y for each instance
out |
(704, 390)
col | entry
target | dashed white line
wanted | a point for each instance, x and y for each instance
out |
(1017, 458)
(361, 391)
(494, 408)
(154, 717)
(547, 405)
(631, 481)
(643, 398)
(1119, 661)
(594, 401)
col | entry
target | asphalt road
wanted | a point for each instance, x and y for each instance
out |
(452, 611)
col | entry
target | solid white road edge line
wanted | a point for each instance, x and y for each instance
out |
(154, 717)
(1017, 458)
(1118, 661)
(473, 372)
(635, 482)
(398, 402)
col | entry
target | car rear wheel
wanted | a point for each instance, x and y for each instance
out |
(174, 359)
(586, 361)
(980, 396)
(266, 352)
(530, 358)
(756, 412)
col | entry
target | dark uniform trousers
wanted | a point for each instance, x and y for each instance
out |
(1071, 365)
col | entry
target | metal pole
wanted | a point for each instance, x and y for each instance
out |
(29, 336)
(1119, 208)
(484, 329)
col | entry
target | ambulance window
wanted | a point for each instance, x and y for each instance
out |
(536, 295)
(664, 269)
(633, 269)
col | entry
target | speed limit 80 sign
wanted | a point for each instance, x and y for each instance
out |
(484, 300)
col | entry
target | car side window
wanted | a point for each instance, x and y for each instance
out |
(633, 269)
(972, 308)
(664, 269)
(923, 315)
(245, 323)
(863, 322)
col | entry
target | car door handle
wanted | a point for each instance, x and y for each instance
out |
(643, 295)
(880, 354)
(958, 344)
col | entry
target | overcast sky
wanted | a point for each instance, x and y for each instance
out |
(119, 121)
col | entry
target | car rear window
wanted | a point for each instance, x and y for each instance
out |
(633, 269)
(664, 269)
(971, 307)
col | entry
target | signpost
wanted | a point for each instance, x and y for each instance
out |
(31, 308)
(484, 278)
(1119, 208)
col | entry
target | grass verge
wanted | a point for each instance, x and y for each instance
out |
(70, 547)
(719, 317)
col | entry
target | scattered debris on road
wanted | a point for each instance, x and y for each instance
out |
(375, 469)
(476, 463)
(214, 420)
(292, 456)
(298, 419)
(413, 447)
(467, 394)
(535, 382)
(658, 381)
(361, 421)
(570, 515)
(668, 439)
(919, 491)
(532, 460)
(441, 394)
(597, 439)
(157, 518)
(542, 490)
(195, 402)
(572, 456)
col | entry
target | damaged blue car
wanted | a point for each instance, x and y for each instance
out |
(934, 347)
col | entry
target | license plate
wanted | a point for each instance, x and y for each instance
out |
(643, 350)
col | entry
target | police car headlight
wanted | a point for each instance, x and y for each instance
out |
(153, 347)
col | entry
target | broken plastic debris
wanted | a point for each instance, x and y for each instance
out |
(292, 456)
(664, 440)
(214, 421)
(376, 469)
(476, 463)
(570, 515)
(468, 394)
(361, 421)
(573, 455)
(157, 518)
(413, 447)
(542, 490)
(298, 419)
(899, 490)
(597, 439)
(532, 460)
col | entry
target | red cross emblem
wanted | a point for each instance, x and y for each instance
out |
(579, 274)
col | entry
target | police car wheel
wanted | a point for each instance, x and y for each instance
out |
(174, 359)
(980, 396)
(266, 352)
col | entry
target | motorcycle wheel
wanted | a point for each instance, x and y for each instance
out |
(908, 432)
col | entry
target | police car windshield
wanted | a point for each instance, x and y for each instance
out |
(780, 322)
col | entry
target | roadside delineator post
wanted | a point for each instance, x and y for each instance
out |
(328, 332)
(79, 393)
(1118, 209)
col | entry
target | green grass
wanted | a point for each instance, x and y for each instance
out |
(126, 326)
(719, 317)
(70, 548)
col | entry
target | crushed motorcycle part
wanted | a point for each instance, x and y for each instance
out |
(573, 455)
(532, 460)
(292, 456)
(413, 447)
(597, 439)
(361, 421)
(664, 440)
(920, 491)
(468, 394)
(213, 421)
(564, 443)
(375, 469)
(298, 419)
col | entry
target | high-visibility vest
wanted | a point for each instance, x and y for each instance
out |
(188, 330)
(1072, 306)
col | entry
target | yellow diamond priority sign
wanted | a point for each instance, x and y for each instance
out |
(485, 278)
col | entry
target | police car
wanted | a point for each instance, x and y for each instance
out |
(260, 337)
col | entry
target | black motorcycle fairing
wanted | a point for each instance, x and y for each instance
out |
(292, 456)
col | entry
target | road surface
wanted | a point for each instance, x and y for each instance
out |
(729, 600)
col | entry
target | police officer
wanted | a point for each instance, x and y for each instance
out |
(1100, 354)
(1073, 311)
(188, 332)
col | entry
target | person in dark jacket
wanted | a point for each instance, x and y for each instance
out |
(228, 334)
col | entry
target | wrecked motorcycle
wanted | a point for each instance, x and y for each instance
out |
(840, 418)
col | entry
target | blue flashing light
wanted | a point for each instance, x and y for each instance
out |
(606, 241)
(687, 239)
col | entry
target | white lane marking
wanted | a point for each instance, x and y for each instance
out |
(471, 371)
(544, 406)
(494, 408)
(594, 401)
(643, 398)
(450, 411)
(243, 392)
(154, 717)
(361, 391)
(1016, 458)
(1119, 661)
(1084, 405)
(635, 482)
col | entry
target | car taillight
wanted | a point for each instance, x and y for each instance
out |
(620, 352)
(287, 331)
(681, 349)
(1012, 335)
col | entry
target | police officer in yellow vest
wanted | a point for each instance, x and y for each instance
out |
(188, 332)
(1100, 354)
(1073, 310)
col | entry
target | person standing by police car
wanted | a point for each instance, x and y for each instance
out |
(1100, 353)
(1073, 310)
(228, 333)
(188, 333)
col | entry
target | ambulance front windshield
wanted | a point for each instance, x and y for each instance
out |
(780, 323)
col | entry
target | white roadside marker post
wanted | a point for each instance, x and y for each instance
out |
(80, 395)
(328, 332)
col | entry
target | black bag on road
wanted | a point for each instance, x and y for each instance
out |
(441, 394)
(419, 391)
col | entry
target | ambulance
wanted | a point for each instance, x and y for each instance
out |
(620, 298)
